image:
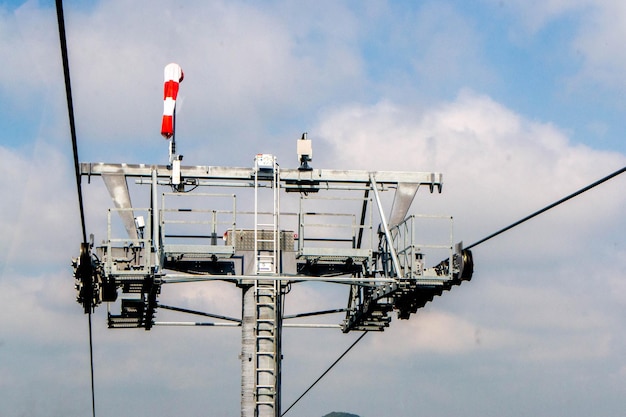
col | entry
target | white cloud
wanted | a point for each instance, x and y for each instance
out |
(244, 65)
(548, 322)
(44, 302)
(498, 166)
(241, 62)
(30, 41)
(596, 38)
(432, 332)
(600, 41)
(533, 283)
(546, 295)
(615, 281)
(40, 215)
(215, 297)
(522, 323)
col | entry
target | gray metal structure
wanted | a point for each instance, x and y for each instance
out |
(335, 230)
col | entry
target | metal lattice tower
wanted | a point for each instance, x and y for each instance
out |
(338, 233)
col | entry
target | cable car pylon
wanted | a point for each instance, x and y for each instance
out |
(193, 229)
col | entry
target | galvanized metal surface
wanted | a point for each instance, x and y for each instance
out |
(384, 271)
(431, 179)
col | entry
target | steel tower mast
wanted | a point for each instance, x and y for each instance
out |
(337, 232)
(175, 240)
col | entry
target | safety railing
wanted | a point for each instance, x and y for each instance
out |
(196, 223)
(123, 255)
(409, 238)
(323, 234)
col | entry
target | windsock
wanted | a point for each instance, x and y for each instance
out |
(173, 75)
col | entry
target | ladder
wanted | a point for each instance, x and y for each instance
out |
(267, 347)
(267, 288)
(266, 233)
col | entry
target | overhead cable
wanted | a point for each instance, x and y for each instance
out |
(512, 225)
(325, 372)
(548, 207)
(70, 112)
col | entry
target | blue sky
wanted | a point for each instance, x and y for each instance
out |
(517, 102)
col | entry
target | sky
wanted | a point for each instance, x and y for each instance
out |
(517, 103)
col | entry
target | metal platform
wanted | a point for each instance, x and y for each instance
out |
(337, 231)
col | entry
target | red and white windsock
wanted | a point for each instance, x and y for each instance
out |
(173, 75)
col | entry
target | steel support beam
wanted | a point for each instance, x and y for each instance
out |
(321, 176)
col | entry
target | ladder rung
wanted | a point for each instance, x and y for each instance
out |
(268, 329)
(270, 290)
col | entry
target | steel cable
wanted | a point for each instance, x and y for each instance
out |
(548, 207)
(512, 225)
(70, 112)
(325, 372)
(70, 109)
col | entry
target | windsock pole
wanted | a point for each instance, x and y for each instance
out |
(173, 76)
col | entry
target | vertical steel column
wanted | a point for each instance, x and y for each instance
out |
(261, 354)
(156, 226)
(248, 341)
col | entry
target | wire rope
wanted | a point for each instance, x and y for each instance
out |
(93, 391)
(548, 207)
(70, 112)
(325, 372)
(499, 232)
